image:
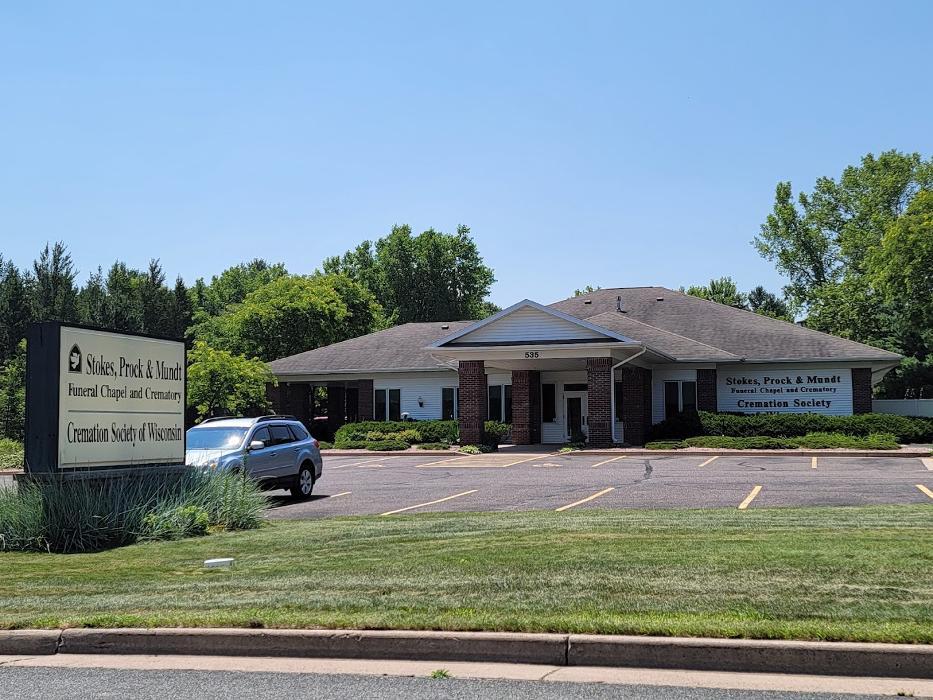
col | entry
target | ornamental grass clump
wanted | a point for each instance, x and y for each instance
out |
(95, 514)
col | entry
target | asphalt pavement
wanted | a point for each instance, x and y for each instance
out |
(375, 485)
(52, 683)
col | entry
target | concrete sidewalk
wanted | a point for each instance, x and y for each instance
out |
(561, 650)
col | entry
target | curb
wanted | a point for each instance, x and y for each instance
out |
(705, 654)
(10, 472)
(651, 453)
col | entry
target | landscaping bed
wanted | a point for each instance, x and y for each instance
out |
(11, 455)
(811, 441)
(392, 436)
(859, 574)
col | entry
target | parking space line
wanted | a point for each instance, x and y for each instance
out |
(444, 461)
(925, 490)
(813, 463)
(585, 500)
(927, 462)
(614, 459)
(512, 464)
(337, 495)
(711, 459)
(429, 503)
(749, 498)
(356, 464)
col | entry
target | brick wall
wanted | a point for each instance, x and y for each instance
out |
(526, 407)
(706, 390)
(598, 401)
(472, 376)
(636, 404)
(861, 390)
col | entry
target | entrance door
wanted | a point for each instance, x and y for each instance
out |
(575, 415)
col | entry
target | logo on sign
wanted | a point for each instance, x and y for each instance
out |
(74, 359)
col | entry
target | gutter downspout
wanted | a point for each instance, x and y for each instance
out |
(612, 390)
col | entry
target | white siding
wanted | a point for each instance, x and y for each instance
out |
(904, 407)
(785, 389)
(528, 324)
(556, 433)
(658, 377)
(412, 385)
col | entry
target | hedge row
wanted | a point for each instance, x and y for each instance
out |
(905, 429)
(874, 441)
(427, 431)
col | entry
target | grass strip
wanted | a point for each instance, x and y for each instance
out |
(860, 574)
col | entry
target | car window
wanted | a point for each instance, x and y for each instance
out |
(298, 432)
(263, 434)
(280, 434)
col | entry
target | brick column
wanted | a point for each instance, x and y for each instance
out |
(706, 390)
(473, 398)
(336, 406)
(365, 406)
(526, 406)
(636, 404)
(598, 401)
(861, 390)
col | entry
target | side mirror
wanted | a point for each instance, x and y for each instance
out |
(256, 445)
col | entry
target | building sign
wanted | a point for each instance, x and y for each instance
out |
(784, 390)
(116, 400)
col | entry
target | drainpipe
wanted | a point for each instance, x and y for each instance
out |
(612, 390)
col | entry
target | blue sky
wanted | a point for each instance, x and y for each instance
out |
(614, 143)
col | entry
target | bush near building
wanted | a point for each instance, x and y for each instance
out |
(905, 429)
(812, 441)
(366, 434)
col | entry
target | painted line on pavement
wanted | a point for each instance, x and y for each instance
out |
(443, 461)
(430, 503)
(528, 459)
(927, 462)
(585, 500)
(711, 459)
(614, 459)
(813, 463)
(749, 498)
(338, 495)
(925, 490)
(356, 464)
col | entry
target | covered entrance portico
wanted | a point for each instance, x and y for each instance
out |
(569, 380)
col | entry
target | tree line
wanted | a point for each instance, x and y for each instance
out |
(247, 315)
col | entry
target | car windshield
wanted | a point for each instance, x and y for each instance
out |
(215, 438)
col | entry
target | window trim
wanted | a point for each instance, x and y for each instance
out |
(680, 394)
(505, 402)
(387, 416)
(456, 398)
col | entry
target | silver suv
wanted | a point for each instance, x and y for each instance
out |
(277, 451)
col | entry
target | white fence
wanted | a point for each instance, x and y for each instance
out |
(904, 407)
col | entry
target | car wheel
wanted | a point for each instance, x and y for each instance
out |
(304, 483)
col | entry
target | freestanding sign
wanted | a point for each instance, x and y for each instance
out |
(100, 399)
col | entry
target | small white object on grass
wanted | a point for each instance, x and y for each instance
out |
(218, 563)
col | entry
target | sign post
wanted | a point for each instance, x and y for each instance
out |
(99, 401)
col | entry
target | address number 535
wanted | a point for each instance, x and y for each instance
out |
(532, 355)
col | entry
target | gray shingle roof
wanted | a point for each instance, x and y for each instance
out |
(734, 331)
(400, 348)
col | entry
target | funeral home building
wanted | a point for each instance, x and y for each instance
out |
(605, 365)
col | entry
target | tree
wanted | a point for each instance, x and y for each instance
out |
(433, 276)
(722, 290)
(766, 303)
(293, 314)
(13, 395)
(588, 289)
(52, 285)
(233, 285)
(221, 383)
(15, 309)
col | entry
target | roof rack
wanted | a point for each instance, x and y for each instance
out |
(214, 418)
(276, 417)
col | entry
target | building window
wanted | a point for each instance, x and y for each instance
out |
(450, 401)
(679, 397)
(618, 404)
(548, 403)
(387, 404)
(500, 403)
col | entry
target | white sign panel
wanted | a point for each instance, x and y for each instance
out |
(782, 390)
(121, 400)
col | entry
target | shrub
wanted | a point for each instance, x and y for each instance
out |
(666, 445)
(904, 428)
(11, 454)
(94, 514)
(351, 444)
(387, 445)
(494, 431)
(323, 445)
(747, 443)
(875, 441)
(470, 450)
(433, 446)
(428, 431)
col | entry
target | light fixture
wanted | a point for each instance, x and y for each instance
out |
(420, 402)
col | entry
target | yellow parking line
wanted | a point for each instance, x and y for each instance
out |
(813, 463)
(711, 459)
(749, 498)
(356, 464)
(927, 462)
(430, 503)
(337, 495)
(584, 500)
(528, 459)
(925, 490)
(614, 459)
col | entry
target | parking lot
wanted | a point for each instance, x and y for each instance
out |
(390, 485)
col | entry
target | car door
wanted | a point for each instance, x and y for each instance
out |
(286, 456)
(260, 463)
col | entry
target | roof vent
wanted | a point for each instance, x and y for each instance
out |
(587, 301)
(619, 305)
(445, 327)
(660, 299)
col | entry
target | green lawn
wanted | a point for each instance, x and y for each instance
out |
(828, 573)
